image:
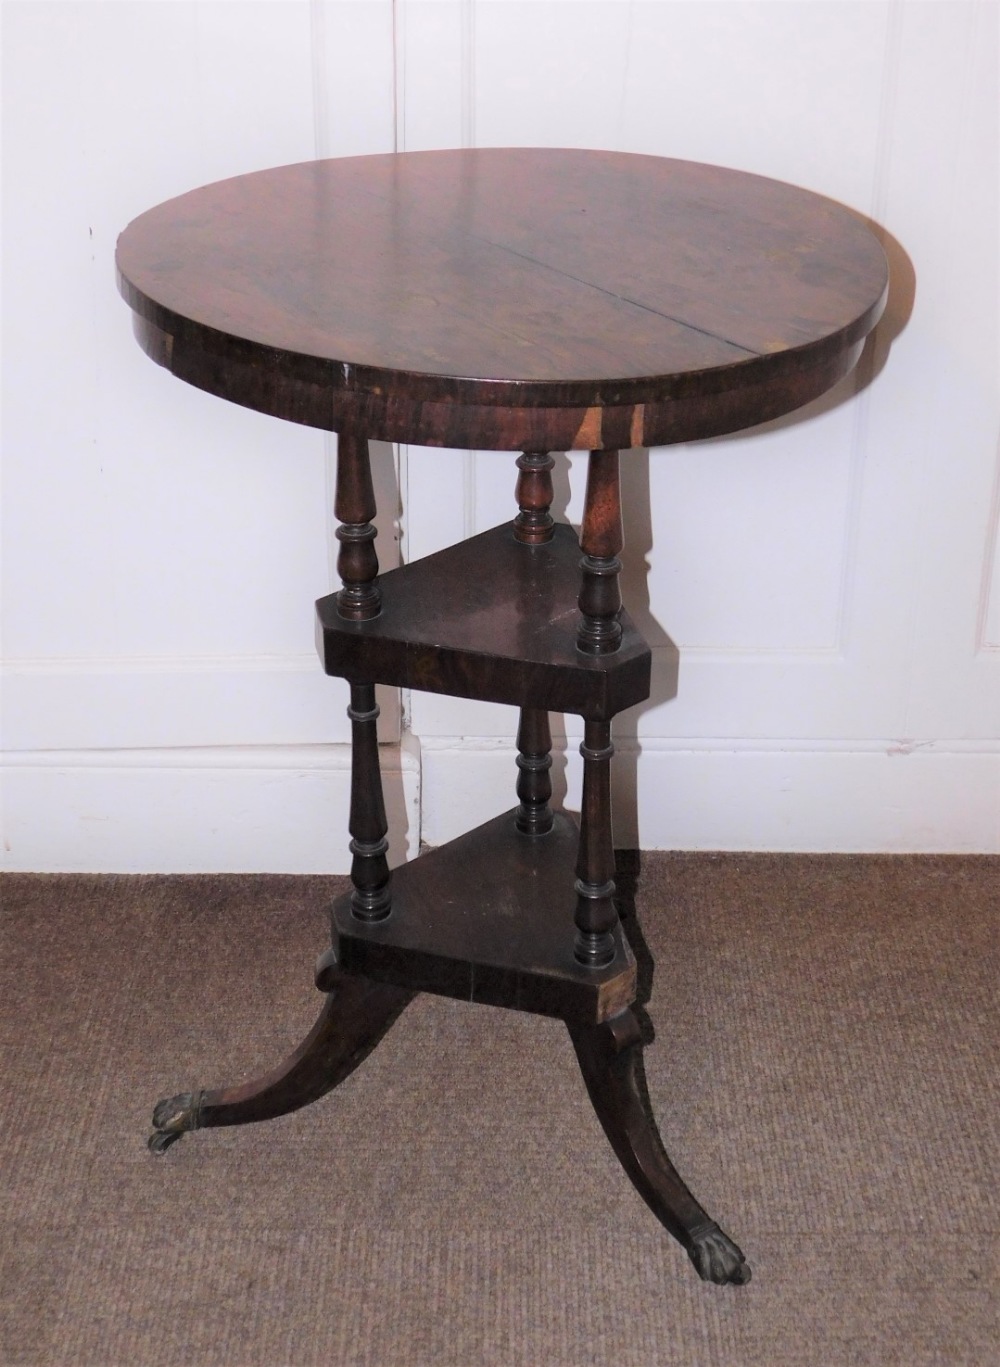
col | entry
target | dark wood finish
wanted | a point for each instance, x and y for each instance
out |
(520, 300)
(596, 916)
(393, 417)
(489, 918)
(370, 900)
(612, 291)
(610, 1057)
(355, 1016)
(488, 619)
(601, 539)
(534, 764)
(354, 506)
(533, 524)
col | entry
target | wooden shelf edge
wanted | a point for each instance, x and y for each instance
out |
(488, 918)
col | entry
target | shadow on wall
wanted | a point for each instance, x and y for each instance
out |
(635, 488)
(638, 521)
(878, 344)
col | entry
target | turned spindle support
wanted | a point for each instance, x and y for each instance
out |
(596, 914)
(533, 524)
(354, 506)
(534, 782)
(601, 539)
(371, 900)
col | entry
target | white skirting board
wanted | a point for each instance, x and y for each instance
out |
(284, 809)
(896, 796)
(251, 809)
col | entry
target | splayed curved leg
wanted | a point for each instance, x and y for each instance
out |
(356, 1014)
(610, 1056)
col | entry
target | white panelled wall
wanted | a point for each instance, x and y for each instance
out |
(830, 581)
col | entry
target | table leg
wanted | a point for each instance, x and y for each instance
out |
(610, 1057)
(356, 1014)
(534, 761)
(533, 524)
(371, 899)
(596, 914)
(354, 506)
(601, 539)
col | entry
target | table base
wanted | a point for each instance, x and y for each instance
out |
(359, 1009)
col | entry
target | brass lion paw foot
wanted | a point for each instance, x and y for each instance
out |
(716, 1257)
(174, 1116)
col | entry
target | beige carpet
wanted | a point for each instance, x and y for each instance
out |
(825, 1074)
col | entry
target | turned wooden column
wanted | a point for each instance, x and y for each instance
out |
(533, 527)
(534, 782)
(354, 506)
(533, 524)
(601, 539)
(596, 914)
(371, 900)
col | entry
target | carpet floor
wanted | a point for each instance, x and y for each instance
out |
(824, 1073)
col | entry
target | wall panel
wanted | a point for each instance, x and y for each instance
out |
(162, 550)
(832, 581)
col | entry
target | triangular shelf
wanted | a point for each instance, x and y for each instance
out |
(491, 619)
(489, 918)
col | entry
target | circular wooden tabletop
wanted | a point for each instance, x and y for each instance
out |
(573, 298)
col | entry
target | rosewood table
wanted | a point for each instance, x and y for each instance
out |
(528, 301)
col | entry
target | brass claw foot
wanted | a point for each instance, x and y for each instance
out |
(610, 1057)
(356, 1014)
(172, 1117)
(716, 1257)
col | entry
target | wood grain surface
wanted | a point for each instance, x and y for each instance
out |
(595, 298)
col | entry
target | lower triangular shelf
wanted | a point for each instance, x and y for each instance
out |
(489, 918)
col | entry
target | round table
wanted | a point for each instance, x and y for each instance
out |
(528, 300)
